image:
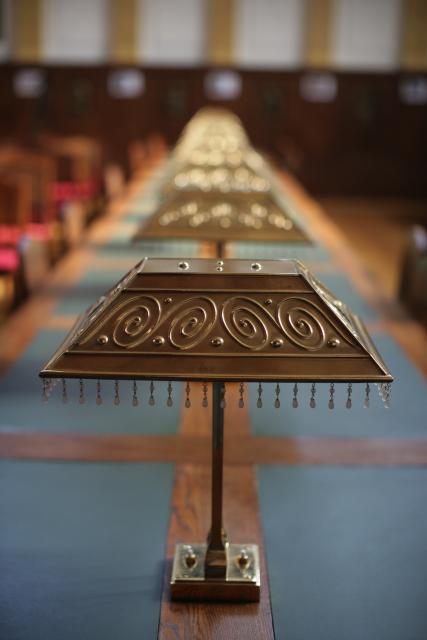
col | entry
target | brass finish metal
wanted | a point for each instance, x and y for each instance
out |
(224, 217)
(246, 177)
(183, 319)
(216, 557)
(217, 570)
(241, 581)
(218, 320)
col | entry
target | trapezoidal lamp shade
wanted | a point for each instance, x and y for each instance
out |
(222, 218)
(220, 321)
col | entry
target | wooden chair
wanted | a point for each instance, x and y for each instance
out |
(80, 177)
(413, 281)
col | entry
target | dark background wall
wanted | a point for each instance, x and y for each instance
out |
(365, 142)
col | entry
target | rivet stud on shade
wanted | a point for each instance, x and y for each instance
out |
(276, 343)
(333, 343)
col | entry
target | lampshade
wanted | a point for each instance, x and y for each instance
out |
(223, 218)
(206, 319)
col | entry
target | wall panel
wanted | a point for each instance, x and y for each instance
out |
(269, 33)
(123, 31)
(319, 16)
(26, 27)
(75, 31)
(220, 25)
(366, 34)
(171, 32)
(366, 141)
(414, 35)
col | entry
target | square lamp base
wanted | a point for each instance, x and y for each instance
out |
(242, 581)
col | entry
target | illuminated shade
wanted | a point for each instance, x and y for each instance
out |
(223, 85)
(224, 178)
(224, 217)
(126, 83)
(209, 320)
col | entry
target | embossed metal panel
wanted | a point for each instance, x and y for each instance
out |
(212, 319)
(223, 218)
(222, 179)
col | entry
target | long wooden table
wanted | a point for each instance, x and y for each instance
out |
(176, 506)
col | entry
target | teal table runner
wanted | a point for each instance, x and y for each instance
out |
(346, 550)
(81, 549)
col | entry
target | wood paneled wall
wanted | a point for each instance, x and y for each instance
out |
(366, 141)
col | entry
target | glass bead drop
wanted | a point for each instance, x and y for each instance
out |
(331, 403)
(387, 395)
(169, 401)
(135, 401)
(367, 392)
(98, 393)
(116, 393)
(151, 400)
(241, 392)
(187, 399)
(64, 391)
(349, 392)
(205, 395)
(259, 401)
(277, 400)
(81, 392)
(313, 396)
(295, 398)
(45, 395)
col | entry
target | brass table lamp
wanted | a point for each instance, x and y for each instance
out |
(219, 321)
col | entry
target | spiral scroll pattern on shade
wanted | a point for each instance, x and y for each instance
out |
(301, 322)
(189, 322)
(192, 322)
(137, 320)
(243, 320)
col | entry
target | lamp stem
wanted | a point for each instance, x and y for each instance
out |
(220, 249)
(216, 556)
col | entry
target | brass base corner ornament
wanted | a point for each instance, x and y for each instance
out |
(241, 582)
